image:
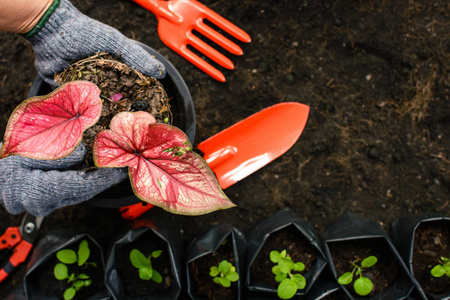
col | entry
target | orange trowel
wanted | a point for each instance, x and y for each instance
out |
(246, 146)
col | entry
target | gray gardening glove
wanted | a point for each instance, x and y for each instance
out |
(69, 35)
(42, 186)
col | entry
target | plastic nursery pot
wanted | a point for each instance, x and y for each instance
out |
(282, 231)
(184, 118)
(352, 238)
(326, 288)
(147, 235)
(40, 282)
(421, 241)
(222, 242)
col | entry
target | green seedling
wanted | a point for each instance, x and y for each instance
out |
(363, 285)
(443, 268)
(61, 270)
(224, 274)
(289, 282)
(144, 265)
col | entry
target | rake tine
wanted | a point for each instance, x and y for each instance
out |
(219, 39)
(210, 52)
(226, 25)
(201, 64)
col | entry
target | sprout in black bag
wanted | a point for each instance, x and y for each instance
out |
(354, 238)
(293, 245)
(144, 262)
(66, 264)
(144, 265)
(424, 243)
(223, 246)
(76, 280)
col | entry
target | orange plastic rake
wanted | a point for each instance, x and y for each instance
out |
(176, 21)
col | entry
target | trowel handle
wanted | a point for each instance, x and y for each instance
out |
(136, 210)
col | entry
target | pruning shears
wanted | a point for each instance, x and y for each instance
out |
(19, 240)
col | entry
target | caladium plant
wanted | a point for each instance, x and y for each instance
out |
(51, 126)
(162, 167)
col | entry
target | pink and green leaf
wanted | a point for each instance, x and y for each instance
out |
(163, 169)
(51, 126)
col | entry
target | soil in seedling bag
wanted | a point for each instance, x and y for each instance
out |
(383, 273)
(296, 246)
(40, 281)
(431, 241)
(133, 285)
(222, 242)
(204, 287)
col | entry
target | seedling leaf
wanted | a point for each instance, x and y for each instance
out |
(78, 285)
(225, 281)
(276, 269)
(163, 169)
(156, 277)
(438, 271)
(274, 256)
(138, 259)
(289, 282)
(224, 266)
(224, 274)
(299, 267)
(156, 253)
(61, 271)
(145, 273)
(443, 268)
(83, 252)
(345, 278)
(214, 271)
(299, 280)
(286, 265)
(287, 289)
(51, 126)
(363, 286)
(67, 256)
(280, 277)
(69, 293)
(233, 276)
(369, 261)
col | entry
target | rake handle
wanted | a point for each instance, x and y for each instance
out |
(159, 8)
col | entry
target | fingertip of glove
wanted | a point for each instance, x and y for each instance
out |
(160, 72)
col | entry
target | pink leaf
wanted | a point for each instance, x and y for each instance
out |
(163, 169)
(51, 126)
(116, 97)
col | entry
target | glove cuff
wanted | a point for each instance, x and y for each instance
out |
(43, 19)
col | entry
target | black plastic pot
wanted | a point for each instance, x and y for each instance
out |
(209, 243)
(326, 288)
(45, 251)
(184, 118)
(351, 228)
(279, 221)
(403, 236)
(144, 232)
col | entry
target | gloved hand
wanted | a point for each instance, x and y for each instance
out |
(42, 186)
(69, 35)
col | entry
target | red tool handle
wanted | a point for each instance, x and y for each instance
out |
(135, 210)
(20, 254)
(10, 238)
(159, 8)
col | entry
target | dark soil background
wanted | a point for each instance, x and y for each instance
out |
(375, 74)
